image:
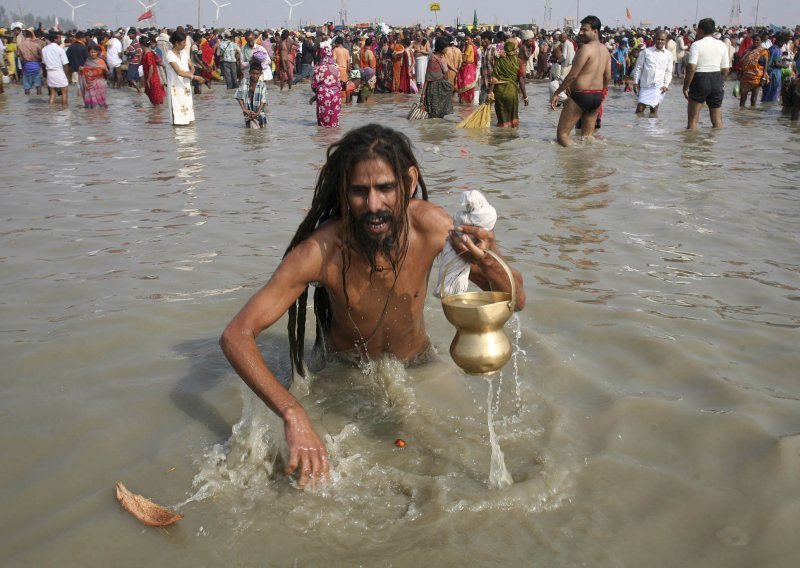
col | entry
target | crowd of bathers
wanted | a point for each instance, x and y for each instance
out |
(399, 56)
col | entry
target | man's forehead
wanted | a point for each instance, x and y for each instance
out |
(375, 170)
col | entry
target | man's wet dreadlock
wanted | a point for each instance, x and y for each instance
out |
(330, 201)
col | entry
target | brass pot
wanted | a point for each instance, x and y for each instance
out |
(480, 346)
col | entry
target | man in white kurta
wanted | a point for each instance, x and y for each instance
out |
(652, 75)
(567, 55)
(54, 59)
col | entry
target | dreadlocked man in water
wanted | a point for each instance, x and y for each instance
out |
(368, 242)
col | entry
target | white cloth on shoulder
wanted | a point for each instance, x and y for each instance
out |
(475, 211)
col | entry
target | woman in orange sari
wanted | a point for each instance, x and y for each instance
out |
(754, 71)
(467, 74)
(398, 57)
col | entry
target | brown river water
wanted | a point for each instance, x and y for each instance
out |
(650, 415)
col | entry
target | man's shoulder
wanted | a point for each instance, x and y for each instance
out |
(593, 48)
(318, 247)
(426, 216)
(329, 232)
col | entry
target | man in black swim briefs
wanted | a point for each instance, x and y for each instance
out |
(589, 100)
(586, 82)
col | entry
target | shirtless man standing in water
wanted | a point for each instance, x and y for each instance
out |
(367, 243)
(585, 83)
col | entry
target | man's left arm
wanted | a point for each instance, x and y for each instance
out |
(65, 64)
(668, 74)
(263, 104)
(725, 65)
(471, 243)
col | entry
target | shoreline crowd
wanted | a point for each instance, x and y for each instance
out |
(466, 65)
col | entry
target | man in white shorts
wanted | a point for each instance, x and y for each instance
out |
(55, 61)
(706, 69)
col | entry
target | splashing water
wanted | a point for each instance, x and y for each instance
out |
(498, 473)
(499, 477)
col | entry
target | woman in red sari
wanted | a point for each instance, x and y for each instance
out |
(468, 74)
(406, 68)
(207, 54)
(152, 81)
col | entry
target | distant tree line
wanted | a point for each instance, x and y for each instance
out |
(46, 22)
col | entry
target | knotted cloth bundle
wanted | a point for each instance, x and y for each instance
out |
(475, 210)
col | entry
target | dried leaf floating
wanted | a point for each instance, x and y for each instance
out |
(145, 510)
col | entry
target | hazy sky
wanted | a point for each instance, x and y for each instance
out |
(273, 13)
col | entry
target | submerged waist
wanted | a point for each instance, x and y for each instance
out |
(354, 356)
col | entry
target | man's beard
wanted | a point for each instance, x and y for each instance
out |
(372, 246)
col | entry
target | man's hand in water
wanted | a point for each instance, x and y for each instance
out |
(306, 450)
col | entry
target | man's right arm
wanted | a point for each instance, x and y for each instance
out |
(637, 69)
(300, 267)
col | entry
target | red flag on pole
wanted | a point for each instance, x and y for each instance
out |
(146, 16)
(628, 14)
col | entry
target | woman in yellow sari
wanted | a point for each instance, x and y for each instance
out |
(506, 85)
(11, 56)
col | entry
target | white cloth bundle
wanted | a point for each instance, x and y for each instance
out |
(475, 211)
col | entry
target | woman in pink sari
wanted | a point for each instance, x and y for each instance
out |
(468, 73)
(92, 79)
(327, 88)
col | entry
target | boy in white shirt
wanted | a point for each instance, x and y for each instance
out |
(55, 61)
